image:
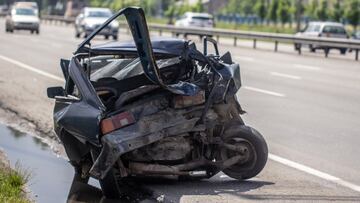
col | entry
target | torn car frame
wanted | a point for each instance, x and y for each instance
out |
(153, 108)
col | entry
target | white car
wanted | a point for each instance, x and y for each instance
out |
(90, 19)
(323, 29)
(190, 19)
(22, 18)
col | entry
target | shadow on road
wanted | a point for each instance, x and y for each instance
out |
(151, 190)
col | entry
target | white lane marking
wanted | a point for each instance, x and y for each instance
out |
(273, 157)
(35, 70)
(286, 75)
(244, 58)
(306, 67)
(314, 172)
(264, 91)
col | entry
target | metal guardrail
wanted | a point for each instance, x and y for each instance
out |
(325, 43)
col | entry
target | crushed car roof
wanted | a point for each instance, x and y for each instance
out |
(170, 46)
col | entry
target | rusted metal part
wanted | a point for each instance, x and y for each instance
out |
(182, 101)
(182, 169)
(147, 130)
(173, 148)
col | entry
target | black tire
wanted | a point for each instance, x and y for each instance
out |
(37, 31)
(256, 151)
(106, 37)
(343, 51)
(296, 46)
(312, 49)
(32, 31)
(77, 35)
(115, 37)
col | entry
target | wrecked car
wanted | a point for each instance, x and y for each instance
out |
(153, 108)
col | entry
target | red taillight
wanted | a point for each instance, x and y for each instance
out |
(116, 122)
(181, 101)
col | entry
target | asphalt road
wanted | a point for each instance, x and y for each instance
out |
(307, 107)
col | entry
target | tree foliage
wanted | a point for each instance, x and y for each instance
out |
(322, 12)
(272, 15)
(284, 11)
(353, 12)
(260, 9)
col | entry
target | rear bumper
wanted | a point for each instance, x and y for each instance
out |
(26, 26)
(109, 32)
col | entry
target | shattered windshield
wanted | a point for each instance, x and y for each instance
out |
(122, 68)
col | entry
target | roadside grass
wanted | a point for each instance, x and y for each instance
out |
(12, 183)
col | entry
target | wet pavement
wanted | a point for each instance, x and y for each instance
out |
(51, 176)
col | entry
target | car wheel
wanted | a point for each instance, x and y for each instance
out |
(32, 31)
(252, 147)
(77, 35)
(312, 49)
(106, 36)
(37, 31)
(296, 46)
(115, 37)
(343, 51)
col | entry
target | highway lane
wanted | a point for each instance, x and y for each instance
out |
(314, 123)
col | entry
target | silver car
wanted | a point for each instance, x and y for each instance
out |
(22, 18)
(90, 19)
(191, 19)
(323, 29)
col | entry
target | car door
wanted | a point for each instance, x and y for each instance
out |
(79, 111)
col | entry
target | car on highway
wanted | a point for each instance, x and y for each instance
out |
(29, 4)
(356, 35)
(153, 108)
(22, 18)
(323, 29)
(191, 19)
(90, 18)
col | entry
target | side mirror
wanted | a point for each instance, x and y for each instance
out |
(52, 92)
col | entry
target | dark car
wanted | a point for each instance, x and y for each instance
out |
(153, 108)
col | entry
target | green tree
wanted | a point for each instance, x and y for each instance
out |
(310, 9)
(322, 12)
(198, 7)
(338, 11)
(284, 11)
(247, 7)
(272, 14)
(170, 12)
(233, 6)
(353, 13)
(299, 11)
(261, 9)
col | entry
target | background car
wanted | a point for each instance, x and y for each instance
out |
(323, 29)
(90, 19)
(29, 4)
(356, 35)
(22, 18)
(190, 19)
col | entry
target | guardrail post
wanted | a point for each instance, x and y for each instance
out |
(235, 40)
(254, 44)
(326, 51)
(357, 54)
(217, 38)
(160, 32)
(276, 46)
